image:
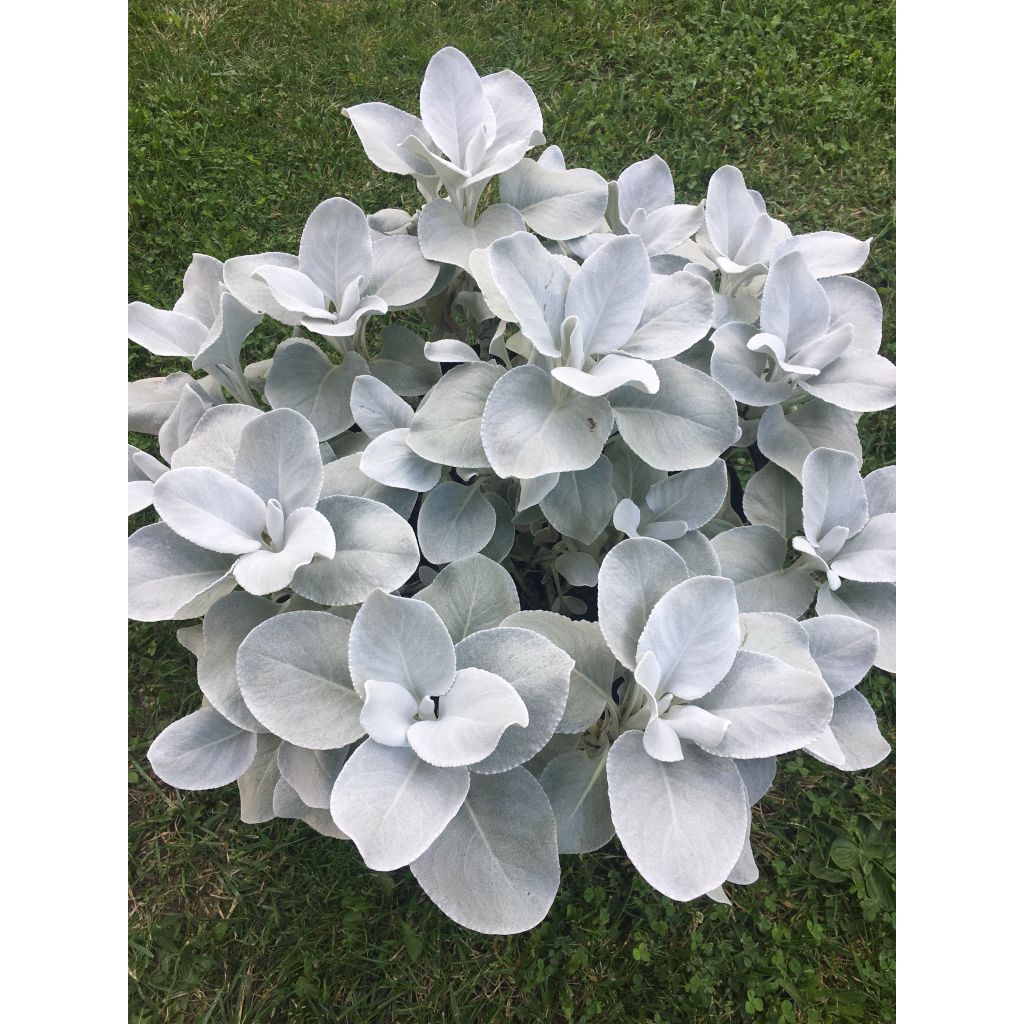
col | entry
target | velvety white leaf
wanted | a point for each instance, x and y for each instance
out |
(532, 491)
(230, 330)
(697, 552)
(307, 534)
(311, 773)
(576, 783)
(590, 683)
(256, 786)
(516, 110)
(288, 804)
(343, 476)
(742, 371)
(241, 280)
(450, 350)
(634, 576)
(533, 426)
(296, 293)
(401, 276)
(304, 379)
(645, 185)
(691, 497)
(626, 517)
(164, 332)
(446, 426)
(376, 408)
(470, 721)
(201, 289)
(191, 638)
(794, 306)
(833, 494)
(389, 460)
(401, 363)
(279, 457)
(852, 733)
(857, 303)
(152, 400)
(537, 670)
(730, 212)
(495, 869)
(393, 804)
(202, 751)
(758, 774)
(686, 425)
(661, 741)
(228, 622)
(690, 722)
(771, 707)
(172, 578)
(880, 488)
(533, 284)
(500, 544)
(774, 498)
(859, 381)
(609, 293)
(211, 509)
(682, 824)
(216, 438)
(294, 677)
(453, 105)
(335, 247)
(753, 557)
(577, 568)
(870, 556)
(694, 633)
(454, 522)
(193, 403)
(445, 238)
(382, 129)
(663, 231)
(780, 636)
(581, 504)
(676, 315)
(843, 648)
(632, 477)
(826, 253)
(788, 439)
(873, 603)
(557, 204)
(401, 641)
(471, 594)
(375, 547)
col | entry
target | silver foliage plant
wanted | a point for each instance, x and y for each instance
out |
(477, 601)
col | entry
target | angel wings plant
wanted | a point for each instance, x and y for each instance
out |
(473, 568)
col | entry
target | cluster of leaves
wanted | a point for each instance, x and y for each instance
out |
(503, 595)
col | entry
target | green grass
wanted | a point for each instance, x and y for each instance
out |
(236, 133)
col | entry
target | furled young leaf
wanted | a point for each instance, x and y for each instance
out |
(495, 867)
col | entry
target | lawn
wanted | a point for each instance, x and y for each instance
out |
(236, 133)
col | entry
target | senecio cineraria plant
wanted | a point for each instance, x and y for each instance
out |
(476, 601)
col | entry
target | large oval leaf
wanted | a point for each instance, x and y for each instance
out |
(495, 867)
(577, 786)
(682, 823)
(375, 548)
(202, 751)
(471, 594)
(455, 521)
(293, 674)
(533, 425)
